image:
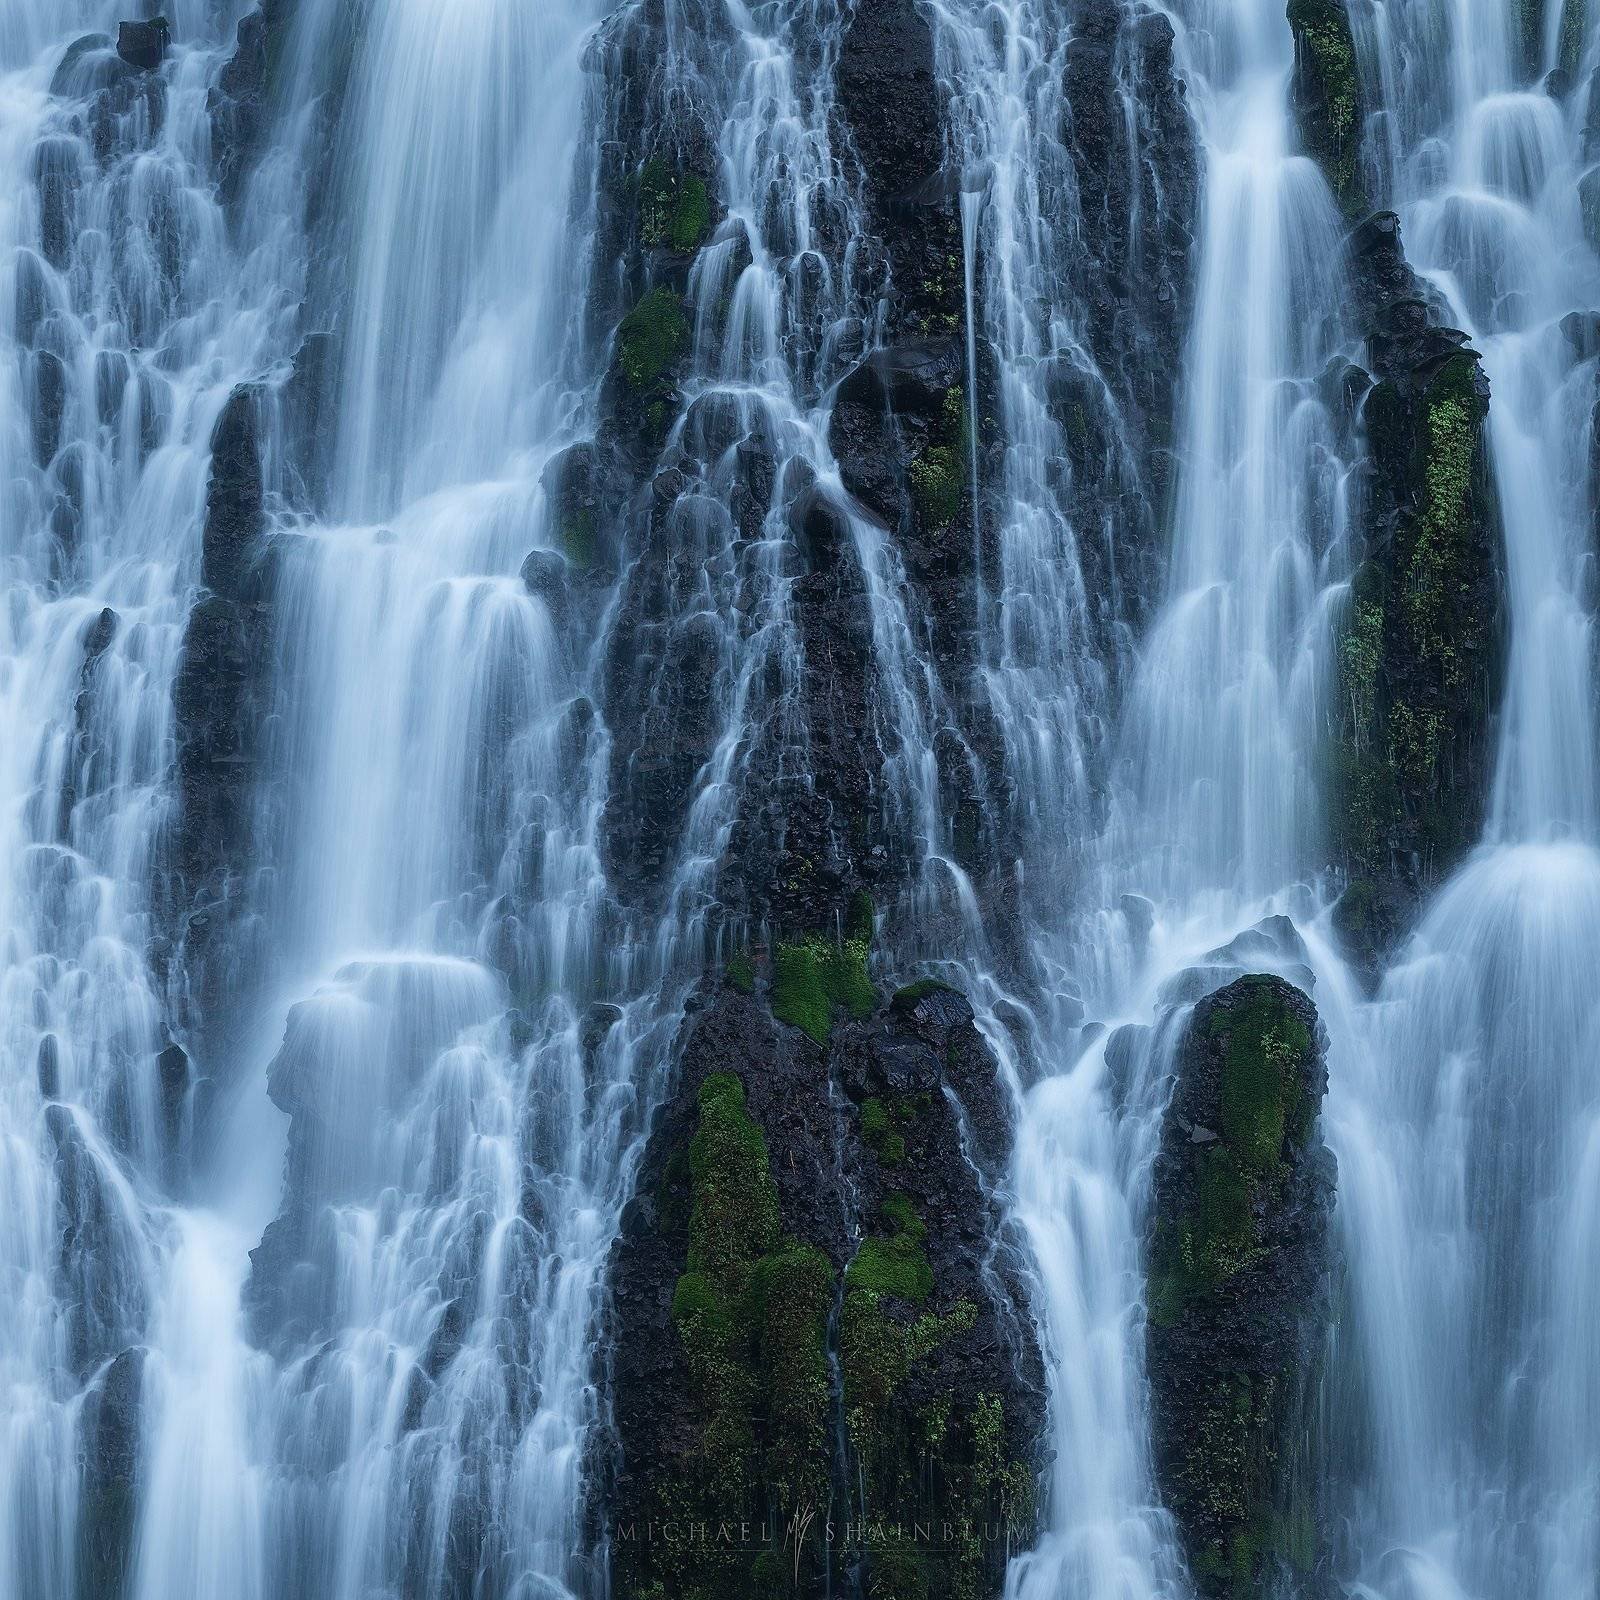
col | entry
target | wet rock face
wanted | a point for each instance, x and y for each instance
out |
(1422, 657)
(893, 110)
(801, 1318)
(1326, 95)
(219, 697)
(1136, 162)
(1239, 1290)
(144, 44)
(237, 105)
(110, 1429)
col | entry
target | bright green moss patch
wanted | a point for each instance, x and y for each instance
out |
(652, 337)
(896, 1266)
(741, 973)
(751, 1308)
(902, 1216)
(813, 978)
(735, 1215)
(674, 208)
(1263, 1104)
(1261, 1095)
(878, 1129)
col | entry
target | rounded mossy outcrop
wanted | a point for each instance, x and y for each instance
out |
(1422, 639)
(1238, 1293)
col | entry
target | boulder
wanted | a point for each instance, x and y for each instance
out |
(144, 44)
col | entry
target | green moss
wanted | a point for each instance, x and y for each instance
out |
(1360, 784)
(741, 973)
(896, 1266)
(902, 1216)
(877, 1353)
(674, 208)
(898, 1571)
(791, 1298)
(652, 338)
(1228, 1461)
(1263, 1104)
(1328, 93)
(879, 1130)
(751, 1309)
(578, 533)
(1434, 577)
(735, 1215)
(908, 997)
(813, 978)
(939, 474)
(1008, 1482)
(936, 485)
(1360, 658)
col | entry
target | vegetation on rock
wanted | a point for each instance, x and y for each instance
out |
(674, 208)
(1327, 94)
(817, 975)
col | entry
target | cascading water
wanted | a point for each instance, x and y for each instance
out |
(131, 314)
(312, 1309)
(1464, 1115)
(1213, 803)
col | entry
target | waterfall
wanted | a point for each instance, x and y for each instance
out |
(1464, 1114)
(495, 544)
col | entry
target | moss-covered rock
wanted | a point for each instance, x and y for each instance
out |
(939, 474)
(807, 1324)
(652, 338)
(1421, 649)
(674, 208)
(1326, 93)
(815, 977)
(750, 1312)
(1238, 1289)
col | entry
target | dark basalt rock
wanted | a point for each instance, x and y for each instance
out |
(1240, 1297)
(893, 109)
(68, 79)
(238, 103)
(544, 575)
(1326, 95)
(802, 1321)
(81, 778)
(144, 44)
(98, 1266)
(220, 703)
(1422, 657)
(235, 498)
(110, 1430)
(1136, 162)
(49, 405)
